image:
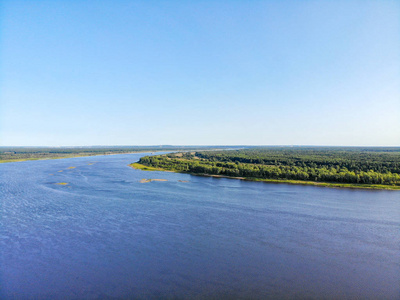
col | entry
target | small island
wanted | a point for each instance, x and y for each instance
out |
(347, 167)
(144, 180)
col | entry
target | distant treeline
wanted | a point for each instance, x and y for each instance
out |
(21, 153)
(337, 165)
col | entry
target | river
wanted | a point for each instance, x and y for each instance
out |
(104, 234)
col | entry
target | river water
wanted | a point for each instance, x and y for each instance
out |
(106, 235)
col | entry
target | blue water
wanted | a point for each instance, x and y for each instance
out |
(107, 235)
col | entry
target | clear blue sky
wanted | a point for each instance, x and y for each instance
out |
(200, 73)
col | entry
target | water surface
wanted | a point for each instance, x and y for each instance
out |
(107, 235)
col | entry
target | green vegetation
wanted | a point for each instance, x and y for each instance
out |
(324, 166)
(144, 168)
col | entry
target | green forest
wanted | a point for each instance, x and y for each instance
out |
(378, 166)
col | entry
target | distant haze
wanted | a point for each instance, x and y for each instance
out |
(199, 73)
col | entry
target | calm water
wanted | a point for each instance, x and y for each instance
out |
(106, 235)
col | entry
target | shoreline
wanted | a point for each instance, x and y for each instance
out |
(279, 181)
(62, 157)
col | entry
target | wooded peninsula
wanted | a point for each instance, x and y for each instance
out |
(377, 168)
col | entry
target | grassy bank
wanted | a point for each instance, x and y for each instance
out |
(330, 184)
(145, 168)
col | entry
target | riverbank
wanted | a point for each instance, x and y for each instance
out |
(47, 158)
(68, 156)
(284, 181)
(18, 154)
(146, 168)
